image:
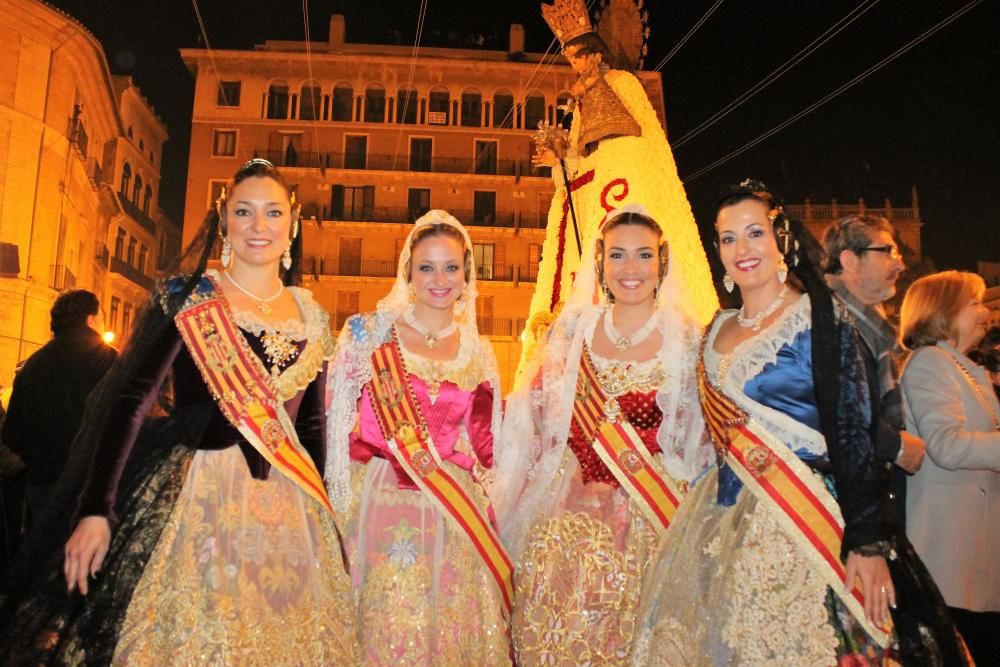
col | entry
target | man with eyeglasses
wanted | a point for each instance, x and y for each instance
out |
(863, 264)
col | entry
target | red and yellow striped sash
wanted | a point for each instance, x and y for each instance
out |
(403, 427)
(622, 450)
(776, 476)
(245, 392)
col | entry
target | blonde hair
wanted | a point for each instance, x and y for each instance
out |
(932, 304)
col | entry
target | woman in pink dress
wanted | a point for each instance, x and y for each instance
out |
(414, 407)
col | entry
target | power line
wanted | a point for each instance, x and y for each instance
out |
(815, 105)
(829, 34)
(685, 38)
(208, 47)
(409, 82)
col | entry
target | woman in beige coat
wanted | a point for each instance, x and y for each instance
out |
(953, 503)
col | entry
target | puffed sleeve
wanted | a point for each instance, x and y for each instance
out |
(122, 425)
(933, 389)
(861, 482)
(310, 422)
(479, 423)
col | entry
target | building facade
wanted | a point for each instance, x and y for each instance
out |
(80, 151)
(371, 138)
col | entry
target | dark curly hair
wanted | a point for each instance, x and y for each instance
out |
(71, 309)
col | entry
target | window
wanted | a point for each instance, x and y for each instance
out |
(127, 319)
(309, 103)
(215, 191)
(484, 208)
(355, 152)
(420, 154)
(406, 107)
(534, 259)
(137, 189)
(437, 107)
(482, 253)
(229, 94)
(350, 256)
(418, 202)
(142, 145)
(503, 110)
(352, 203)
(347, 305)
(375, 104)
(116, 305)
(486, 157)
(277, 101)
(343, 102)
(120, 244)
(143, 255)
(534, 112)
(286, 147)
(472, 109)
(224, 143)
(147, 198)
(126, 178)
(130, 257)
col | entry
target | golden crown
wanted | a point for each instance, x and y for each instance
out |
(567, 19)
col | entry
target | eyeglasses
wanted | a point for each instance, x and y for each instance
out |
(890, 250)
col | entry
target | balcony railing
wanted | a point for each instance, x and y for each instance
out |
(123, 268)
(386, 268)
(78, 135)
(101, 256)
(93, 169)
(137, 214)
(403, 215)
(376, 162)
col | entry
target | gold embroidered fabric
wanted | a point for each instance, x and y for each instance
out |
(579, 580)
(246, 572)
(739, 592)
(424, 595)
(466, 370)
(603, 116)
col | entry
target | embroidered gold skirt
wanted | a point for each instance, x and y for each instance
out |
(579, 579)
(730, 587)
(245, 572)
(424, 595)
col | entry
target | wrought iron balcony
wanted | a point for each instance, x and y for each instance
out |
(137, 214)
(123, 268)
(386, 268)
(377, 162)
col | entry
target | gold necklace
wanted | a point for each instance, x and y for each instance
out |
(261, 303)
(983, 398)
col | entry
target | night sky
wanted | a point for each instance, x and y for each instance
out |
(928, 119)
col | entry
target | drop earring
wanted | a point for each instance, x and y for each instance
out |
(226, 256)
(782, 271)
(286, 258)
(728, 283)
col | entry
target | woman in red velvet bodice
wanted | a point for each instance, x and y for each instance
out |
(572, 512)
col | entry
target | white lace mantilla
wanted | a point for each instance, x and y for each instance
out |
(748, 359)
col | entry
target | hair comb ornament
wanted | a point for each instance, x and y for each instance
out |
(255, 161)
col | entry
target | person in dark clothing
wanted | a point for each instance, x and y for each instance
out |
(51, 390)
(862, 267)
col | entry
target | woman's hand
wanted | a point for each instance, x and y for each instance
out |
(85, 551)
(876, 584)
(545, 157)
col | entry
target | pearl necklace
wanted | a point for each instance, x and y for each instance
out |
(758, 319)
(261, 303)
(431, 338)
(625, 342)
